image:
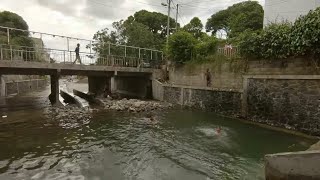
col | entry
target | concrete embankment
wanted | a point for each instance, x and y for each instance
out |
(293, 166)
(21, 86)
(284, 94)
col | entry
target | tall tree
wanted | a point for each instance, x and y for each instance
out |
(13, 20)
(143, 29)
(156, 22)
(194, 27)
(237, 18)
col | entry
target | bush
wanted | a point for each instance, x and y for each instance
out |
(280, 41)
(181, 46)
(305, 36)
(207, 46)
(249, 44)
(276, 41)
(271, 43)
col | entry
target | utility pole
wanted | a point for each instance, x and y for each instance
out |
(177, 17)
(168, 25)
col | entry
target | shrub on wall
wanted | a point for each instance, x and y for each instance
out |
(181, 46)
(205, 47)
(305, 36)
(280, 41)
(271, 43)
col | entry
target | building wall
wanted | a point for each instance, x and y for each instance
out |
(287, 10)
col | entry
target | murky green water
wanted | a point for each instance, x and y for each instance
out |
(112, 145)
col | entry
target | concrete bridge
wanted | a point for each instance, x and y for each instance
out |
(129, 73)
(130, 81)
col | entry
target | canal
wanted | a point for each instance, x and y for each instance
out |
(38, 143)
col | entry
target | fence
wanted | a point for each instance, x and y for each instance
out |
(229, 52)
(45, 55)
(111, 55)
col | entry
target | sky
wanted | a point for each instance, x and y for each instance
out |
(82, 18)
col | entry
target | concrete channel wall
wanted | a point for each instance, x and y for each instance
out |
(22, 86)
(215, 100)
(280, 93)
(293, 166)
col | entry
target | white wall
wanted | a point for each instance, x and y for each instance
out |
(287, 10)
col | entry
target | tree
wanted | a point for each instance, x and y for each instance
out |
(237, 18)
(194, 27)
(181, 46)
(13, 20)
(143, 29)
(156, 22)
(18, 38)
(138, 35)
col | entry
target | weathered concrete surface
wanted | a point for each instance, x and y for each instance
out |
(70, 99)
(2, 87)
(293, 166)
(88, 97)
(229, 76)
(99, 85)
(24, 86)
(133, 87)
(157, 90)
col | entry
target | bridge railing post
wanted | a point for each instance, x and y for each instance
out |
(8, 34)
(109, 50)
(70, 56)
(64, 57)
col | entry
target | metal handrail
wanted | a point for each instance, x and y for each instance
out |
(68, 37)
(11, 52)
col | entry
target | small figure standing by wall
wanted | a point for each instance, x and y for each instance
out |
(208, 78)
(77, 54)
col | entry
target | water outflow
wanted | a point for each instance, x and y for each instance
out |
(66, 93)
(42, 142)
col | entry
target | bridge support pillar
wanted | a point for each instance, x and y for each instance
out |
(113, 83)
(99, 85)
(54, 96)
(2, 86)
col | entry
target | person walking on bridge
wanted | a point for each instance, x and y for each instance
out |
(77, 54)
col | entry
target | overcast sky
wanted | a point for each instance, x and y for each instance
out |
(82, 18)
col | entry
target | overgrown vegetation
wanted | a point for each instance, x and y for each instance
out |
(281, 41)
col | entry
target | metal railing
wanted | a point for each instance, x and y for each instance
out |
(113, 55)
(229, 52)
(46, 55)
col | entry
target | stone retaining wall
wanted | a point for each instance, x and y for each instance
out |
(215, 100)
(287, 101)
(291, 102)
